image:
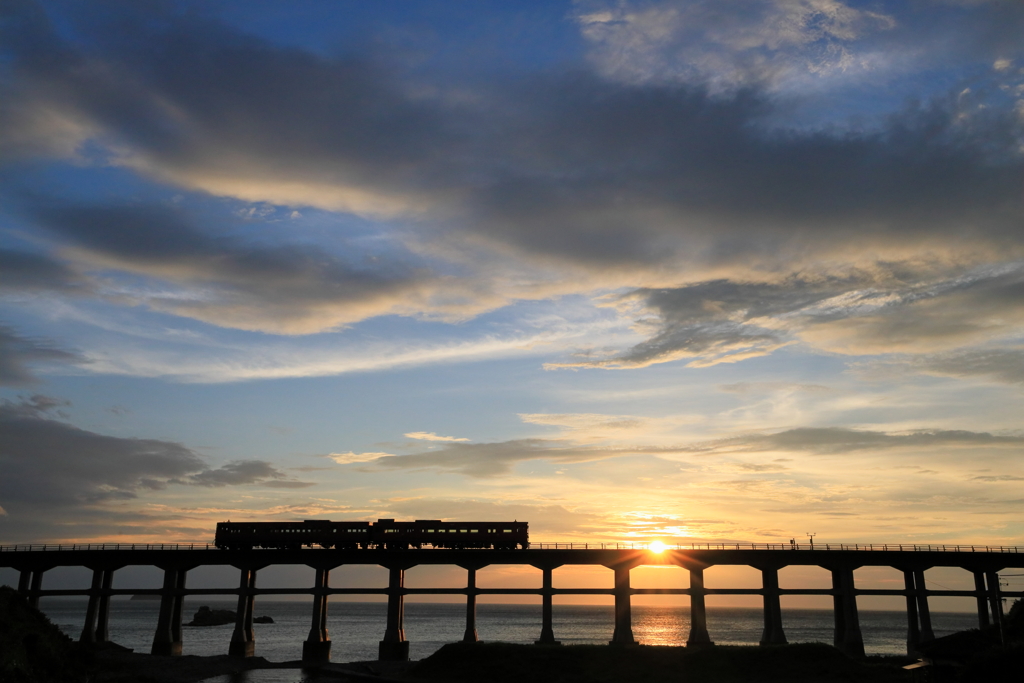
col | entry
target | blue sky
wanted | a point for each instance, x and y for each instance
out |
(627, 270)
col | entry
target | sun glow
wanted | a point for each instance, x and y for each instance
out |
(656, 547)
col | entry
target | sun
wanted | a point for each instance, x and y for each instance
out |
(656, 547)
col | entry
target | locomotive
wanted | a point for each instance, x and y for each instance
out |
(384, 534)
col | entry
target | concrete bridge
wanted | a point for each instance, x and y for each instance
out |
(841, 560)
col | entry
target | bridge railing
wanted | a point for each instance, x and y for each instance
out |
(574, 545)
(35, 547)
(907, 547)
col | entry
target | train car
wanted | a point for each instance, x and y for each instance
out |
(384, 534)
(393, 535)
(293, 535)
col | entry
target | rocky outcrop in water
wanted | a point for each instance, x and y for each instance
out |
(212, 617)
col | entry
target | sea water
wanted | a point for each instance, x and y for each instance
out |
(355, 628)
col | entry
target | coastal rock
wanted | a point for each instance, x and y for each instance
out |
(212, 617)
(262, 620)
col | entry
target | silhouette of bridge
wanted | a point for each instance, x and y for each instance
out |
(176, 560)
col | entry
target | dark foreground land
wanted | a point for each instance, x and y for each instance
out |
(33, 650)
(506, 663)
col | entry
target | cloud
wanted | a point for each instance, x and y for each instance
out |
(759, 387)
(792, 45)
(1001, 364)
(839, 440)
(287, 289)
(50, 464)
(584, 421)
(18, 354)
(351, 457)
(29, 272)
(431, 436)
(735, 235)
(873, 311)
(245, 472)
(493, 459)
(559, 166)
(763, 42)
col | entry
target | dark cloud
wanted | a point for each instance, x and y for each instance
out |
(857, 239)
(881, 310)
(492, 459)
(49, 464)
(566, 164)
(246, 472)
(838, 440)
(1002, 364)
(224, 280)
(25, 272)
(18, 354)
(495, 459)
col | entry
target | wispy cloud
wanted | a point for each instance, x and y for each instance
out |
(351, 457)
(431, 436)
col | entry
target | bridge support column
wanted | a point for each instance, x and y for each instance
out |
(24, 581)
(623, 634)
(979, 594)
(471, 636)
(167, 639)
(848, 638)
(89, 629)
(698, 612)
(995, 602)
(394, 647)
(924, 614)
(913, 629)
(243, 640)
(317, 646)
(773, 633)
(103, 616)
(37, 585)
(547, 632)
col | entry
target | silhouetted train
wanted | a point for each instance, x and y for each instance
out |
(384, 534)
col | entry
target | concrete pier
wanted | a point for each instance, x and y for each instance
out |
(167, 639)
(89, 628)
(699, 636)
(923, 612)
(982, 597)
(773, 633)
(623, 633)
(470, 635)
(243, 641)
(913, 623)
(547, 632)
(394, 647)
(848, 637)
(317, 646)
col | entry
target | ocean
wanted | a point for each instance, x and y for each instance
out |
(356, 627)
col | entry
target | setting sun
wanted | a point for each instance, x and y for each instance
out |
(656, 546)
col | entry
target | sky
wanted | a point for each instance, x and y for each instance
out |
(624, 269)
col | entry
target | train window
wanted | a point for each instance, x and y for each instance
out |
(508, 531)
(462, 531)
(474, 531)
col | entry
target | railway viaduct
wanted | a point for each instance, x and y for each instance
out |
(841, 560)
